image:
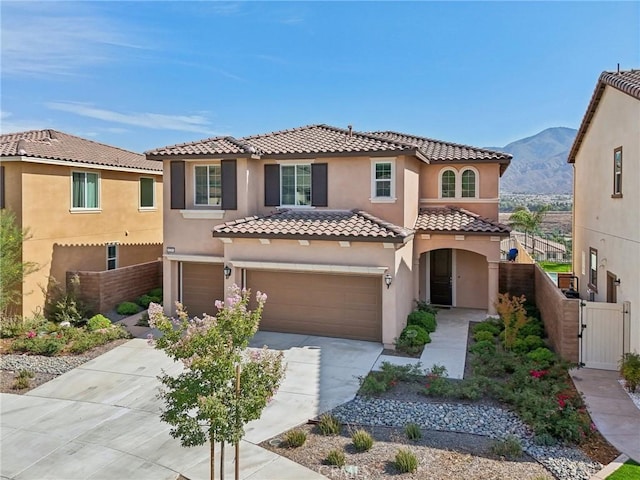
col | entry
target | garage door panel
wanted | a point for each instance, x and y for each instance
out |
(346, 306)
(202, 285)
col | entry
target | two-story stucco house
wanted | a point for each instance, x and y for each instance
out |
(88, 206)
(343, 230)
(606, 194)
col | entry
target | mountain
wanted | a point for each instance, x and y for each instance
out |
(539, 163)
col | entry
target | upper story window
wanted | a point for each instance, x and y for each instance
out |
(85, 191)
(593, 269)
(454, 184)
(208, 185)
(617, 173)
(147, 192)
(295, 185)
(112, 256)
(383, 180)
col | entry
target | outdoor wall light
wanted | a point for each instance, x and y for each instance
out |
(227, 272)
(171, 249)
(387, 280)
(616, 282)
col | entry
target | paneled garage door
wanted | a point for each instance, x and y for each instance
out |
(346, 306)
(202, 285)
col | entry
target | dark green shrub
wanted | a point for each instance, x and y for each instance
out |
(372, 385)
(401, 372)
(362, 440)
(509, 447)
(483, 336)
(45, 345)
(156, 292)
(423, 319)
(16, 326)
(426, 307)
(145, 300)
(97, 322)
(64, 304)
(534, 326)
(413, 431)
(329, 425)
(528, 344)
(487, 326)
(295, 438)
(484, 347)
(630, 370)
(335, 458)
(83, 340)
(406, 461)
(532, 309)
(415, 335)
(127, 308)
(542, 356)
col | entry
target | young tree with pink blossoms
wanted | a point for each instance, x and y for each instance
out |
(224, 384)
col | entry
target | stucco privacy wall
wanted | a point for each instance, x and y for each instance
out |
(610, 225)
(472, 276)
(559, 314)
(104, 290)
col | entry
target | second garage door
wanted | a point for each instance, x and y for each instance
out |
(202, 285)
(346, 306)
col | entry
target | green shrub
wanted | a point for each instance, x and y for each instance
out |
(84, 340)
(362, 440)
(97, 322)
(483, 336)
(64, 304)
(40, 345)
(630, 370)
(484, 347)
(423, 319)
(329, 425)
(413, 431)
(406, 461)
(508, 448)
(23, 379)
(335, 458)
(542, 356)
(401, 372)
(527, 344)
(487, 326)
(127, 308)
(416, 335)
(295, 438)
(146, 299)
(372, 385)
(534, 326)
(156, 292)
(16, 326)
(426, 307)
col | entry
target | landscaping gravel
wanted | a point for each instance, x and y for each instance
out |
(635, 396)
(41, 364)
(566, 463)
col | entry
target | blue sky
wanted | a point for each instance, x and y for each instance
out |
(141, 75)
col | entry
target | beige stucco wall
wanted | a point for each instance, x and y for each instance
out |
(472, 277)
(46, 204)
(486, 203)
(610, 225)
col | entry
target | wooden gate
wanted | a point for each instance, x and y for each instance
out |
(601, 334)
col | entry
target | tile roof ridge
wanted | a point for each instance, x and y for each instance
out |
(621, 81)
(372, 136)
(186, 144)
(244, 146)
(58, 133)
(444, 142)
(278, 132)
(403, 232)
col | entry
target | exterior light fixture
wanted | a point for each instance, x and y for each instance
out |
(227, 272)
(387, 280)
(616, 282)
(171, 249)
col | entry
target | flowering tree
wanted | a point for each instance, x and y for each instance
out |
(224, 384)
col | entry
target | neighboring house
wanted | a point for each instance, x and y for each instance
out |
(343, 230)
(606, 193)
(88, 206)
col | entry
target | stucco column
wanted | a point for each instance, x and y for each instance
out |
(415, 270)
(234, 278)
(493, 289)
(169, 285)
(389, 314)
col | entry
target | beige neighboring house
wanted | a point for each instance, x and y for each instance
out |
(88, 206)
(343, 230)
(606, 194)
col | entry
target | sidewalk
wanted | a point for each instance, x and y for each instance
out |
(611, 409)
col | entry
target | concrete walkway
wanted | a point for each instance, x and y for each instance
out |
(611, 409)
(448, 345)
(101, 420)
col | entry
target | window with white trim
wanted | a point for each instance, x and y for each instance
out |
(458, 184)
(617, 172)
(468, 183)
(208, 185)
(85, 191)
(295, 185)
(448, 184)
(112, 256)
(593, 269)
(383, 180)
(147, 192)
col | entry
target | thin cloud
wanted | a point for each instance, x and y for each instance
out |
(10, 125)
(157, 121)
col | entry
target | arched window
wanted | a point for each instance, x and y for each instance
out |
(468, 184)
(448, 184)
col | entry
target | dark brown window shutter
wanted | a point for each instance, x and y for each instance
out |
(272, 185)
(2, 186)
(319, 184)
(229, 185)
(177, 185)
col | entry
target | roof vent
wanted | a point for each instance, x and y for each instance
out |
(350, 127)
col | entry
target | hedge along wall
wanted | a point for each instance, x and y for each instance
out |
(104, 290)
(559, 313)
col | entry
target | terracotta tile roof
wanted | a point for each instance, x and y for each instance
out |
(627, 81)
(456, 220)
(345, 225)
(218, 146)
(55, 145)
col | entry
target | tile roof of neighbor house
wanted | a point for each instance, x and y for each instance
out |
(456, 220)
(315, 225)
(55, 145)
(627, 81)
(313, 140)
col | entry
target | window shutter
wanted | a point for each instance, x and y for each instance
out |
(319, 184)
(272, 185)
(2, 186)
(229, 185)
(177, 185)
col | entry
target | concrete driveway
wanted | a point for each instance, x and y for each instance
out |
(101, 420)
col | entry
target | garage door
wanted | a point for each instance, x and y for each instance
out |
(202, 285)
(345, 306)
